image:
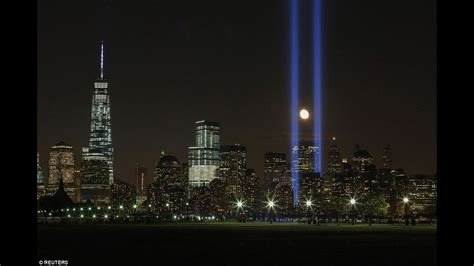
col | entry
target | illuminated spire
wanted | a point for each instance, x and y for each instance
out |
(102, 60)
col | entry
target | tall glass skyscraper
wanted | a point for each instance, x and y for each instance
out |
(204, 157)
(100, 140)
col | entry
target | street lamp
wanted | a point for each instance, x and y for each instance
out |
(168, 213)
(187, 210)
(270, 206)
(309, 205)
(353, 203)
(405, 203)
(134, 211)
(240, 206)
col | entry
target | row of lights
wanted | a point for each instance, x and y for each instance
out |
(308, 203)
(239, 204)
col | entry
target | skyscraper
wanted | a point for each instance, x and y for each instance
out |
(233, 164)
(61, 166)
(101, 124)
(169, 194)
(250, 189)
(141, 177)
(94, 177)
(305, 162)
(311, 188)
(334, 170)
(168, 171)
(39, 172)
(364, 171)
(141, 182)
(305, 154)
(122, 194)
(276, 169)
(422, 194)
(204, 157)
(387, 157)
(334, 159)
(40, 182)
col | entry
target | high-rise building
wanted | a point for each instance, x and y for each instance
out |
(364, 172)
(168, 170)
(204, 157)
(141, 183)
(283, 192)
(61, 166)
(422, 195)
(169, 182)
(122, 194)
(334, 158)
(387, 157)
(141, 177)
(276, 169)
(311, 188)
(343, 182)
(334, 170)
(95, 177)
(77, 183)
(185, 173)
(305, 162)
(40, 182)
(250, 190)
(305, 155)
(39, 172)
(100, 140)
(232, 168)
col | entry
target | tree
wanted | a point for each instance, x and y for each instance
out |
(374, 206)
(337, 207)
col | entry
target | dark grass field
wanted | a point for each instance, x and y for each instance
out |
(237, 244)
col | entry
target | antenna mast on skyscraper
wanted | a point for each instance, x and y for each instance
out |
(101, 60)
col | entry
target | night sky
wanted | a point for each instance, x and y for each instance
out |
(171, 63)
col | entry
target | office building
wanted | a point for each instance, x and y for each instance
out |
(204, 156)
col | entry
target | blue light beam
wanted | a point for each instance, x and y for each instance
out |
(317, 83)
(294, 92)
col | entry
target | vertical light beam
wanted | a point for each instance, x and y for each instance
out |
(317, 83)
(294, 94)
(102, 60)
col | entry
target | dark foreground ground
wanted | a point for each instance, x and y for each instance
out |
(237, 244)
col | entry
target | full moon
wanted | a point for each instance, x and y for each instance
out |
(304, 114)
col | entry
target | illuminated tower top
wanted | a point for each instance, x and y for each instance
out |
(102, 60)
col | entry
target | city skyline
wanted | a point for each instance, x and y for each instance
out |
(237, 123)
